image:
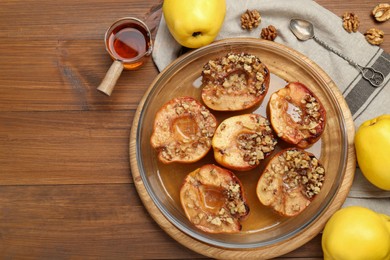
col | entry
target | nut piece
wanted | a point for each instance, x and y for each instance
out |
(374, 36)
(381, 12)
(350, 22)
(250, 19)
(269, 33)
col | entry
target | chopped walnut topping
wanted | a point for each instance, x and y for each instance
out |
(258, 144)
(239, 76)
(237, 67)
(290, 182)
(234, 189)
(234, 202)
(216, 221)
(229, 220)
(312, 116)
(350, 22)
(299, 168)
(250, 19)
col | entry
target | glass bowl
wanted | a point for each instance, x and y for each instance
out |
(160, 184)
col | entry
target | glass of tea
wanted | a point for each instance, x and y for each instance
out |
(129, 43)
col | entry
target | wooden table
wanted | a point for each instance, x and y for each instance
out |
(66, 189)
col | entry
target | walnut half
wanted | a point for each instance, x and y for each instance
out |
(250, 19)
(374, 36)
(381, 12)
(350, 22)
(269, 33)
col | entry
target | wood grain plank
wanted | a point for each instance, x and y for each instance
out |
(71, 19)
(64, 75)
(53, 55)
(65, 147)
(81, 221)
(362, 9)
(86, 222)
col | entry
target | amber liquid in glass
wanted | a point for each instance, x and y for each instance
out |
(128, 42)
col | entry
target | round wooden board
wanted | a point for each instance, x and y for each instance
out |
(276, 249)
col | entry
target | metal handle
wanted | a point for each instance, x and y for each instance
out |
(376, 78)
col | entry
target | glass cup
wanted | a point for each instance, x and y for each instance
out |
(128, 42)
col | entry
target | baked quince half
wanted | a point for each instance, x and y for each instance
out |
(290, 181)
(234, 82)
(213, 200)
(242, 142)
(297, 115)
(182, 131)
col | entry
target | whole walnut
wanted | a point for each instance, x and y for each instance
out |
(381, 12)
(374, 36)
(250, 19)
(350, 22)
(269, 33)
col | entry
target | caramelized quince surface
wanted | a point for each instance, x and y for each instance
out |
(234, 82)
(296, 114)
(242, 142)
(291, 180)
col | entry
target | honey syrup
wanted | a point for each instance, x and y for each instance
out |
(129, 42)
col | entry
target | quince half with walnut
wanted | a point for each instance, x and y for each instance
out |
(242, 142)
(234, 82)
(297, 115)
(182, 131)
(214, 200)
(290, 181)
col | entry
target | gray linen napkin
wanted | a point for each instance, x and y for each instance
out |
(365, 101)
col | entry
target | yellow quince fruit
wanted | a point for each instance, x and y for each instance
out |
(194, 23)
(372, 144)
(357, 233)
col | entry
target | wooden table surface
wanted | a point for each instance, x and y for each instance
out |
(66, 189)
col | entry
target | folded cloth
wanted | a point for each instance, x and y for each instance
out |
(364, 101)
